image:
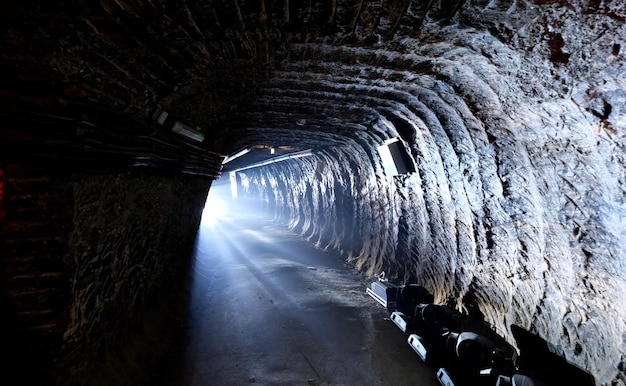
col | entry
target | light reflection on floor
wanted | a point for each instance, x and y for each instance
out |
(267, 308)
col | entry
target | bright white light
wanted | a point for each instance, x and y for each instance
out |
(213, 211)
(216, 206)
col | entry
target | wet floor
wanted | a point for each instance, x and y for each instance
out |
(269, 309)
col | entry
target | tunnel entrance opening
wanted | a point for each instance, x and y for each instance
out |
(216, 205)
(224, 205)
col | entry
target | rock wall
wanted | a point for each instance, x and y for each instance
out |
(131, 262)
(96, 267)
(513, 111)
(517, 206)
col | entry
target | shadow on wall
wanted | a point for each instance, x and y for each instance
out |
(538, 361)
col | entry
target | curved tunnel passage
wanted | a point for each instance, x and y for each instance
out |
(515, 206)
(512, 112)
(269, 308)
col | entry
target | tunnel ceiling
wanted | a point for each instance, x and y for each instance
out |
(513, 111)
(303, 74)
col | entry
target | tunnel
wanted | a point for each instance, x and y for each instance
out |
(474, 147)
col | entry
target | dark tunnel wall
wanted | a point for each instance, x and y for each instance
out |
(517, 206)
(95, 269)
(513, 111)
(131, 247)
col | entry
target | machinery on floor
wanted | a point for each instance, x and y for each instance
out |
(466, 351)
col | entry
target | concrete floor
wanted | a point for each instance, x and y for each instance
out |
(269, 309)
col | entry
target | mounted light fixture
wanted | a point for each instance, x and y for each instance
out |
(187, 131)
(396, 160)
(160, 115)
(238, 154)
(234, 176)
(280, 158)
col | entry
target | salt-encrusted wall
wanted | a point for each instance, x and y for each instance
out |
(518, 203)
(513, 111)
(531, 232)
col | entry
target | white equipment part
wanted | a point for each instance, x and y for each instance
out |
(444, 378)
(419, 346)
(383, 292)
(397, 318)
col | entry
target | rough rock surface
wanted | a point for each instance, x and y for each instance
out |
(513, 112)
(517, 206)
(94, 268)
(130, 248)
